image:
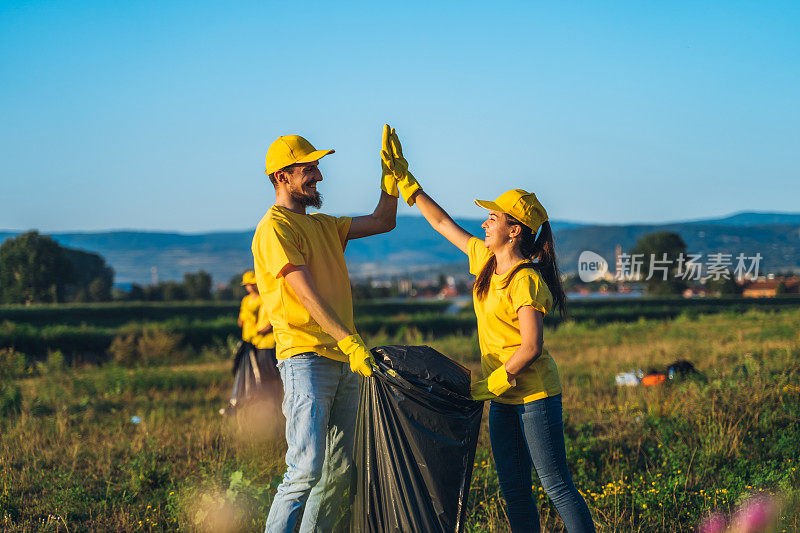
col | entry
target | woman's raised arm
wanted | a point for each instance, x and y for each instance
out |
(393, 162)
(441, 221)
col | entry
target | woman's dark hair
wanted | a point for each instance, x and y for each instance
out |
(540, 253)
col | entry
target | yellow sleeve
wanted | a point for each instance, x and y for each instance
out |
(267, 340)
(263, 318)
(529, 289)
(278, 245)
(242, 309)
(478, 255)
(343, 228)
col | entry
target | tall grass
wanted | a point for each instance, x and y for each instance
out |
(646, 459)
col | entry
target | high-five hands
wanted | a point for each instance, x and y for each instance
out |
(388, 181)
(392, 161)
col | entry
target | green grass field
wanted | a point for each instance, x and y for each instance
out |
(646, 459)
(86, 332)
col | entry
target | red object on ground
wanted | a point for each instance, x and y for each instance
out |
(653, 379)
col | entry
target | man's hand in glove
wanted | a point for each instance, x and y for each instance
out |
(406, 182)
(388, 181)
(361, 361)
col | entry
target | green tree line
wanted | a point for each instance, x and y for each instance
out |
(35, 268)
(195, 286)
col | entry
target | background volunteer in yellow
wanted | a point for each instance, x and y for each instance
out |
(264, 344)
(302, 276)
(517, 284)
(254, 367)
(248, 309)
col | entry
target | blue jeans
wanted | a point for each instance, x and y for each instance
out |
(532, 434)
(320, 403)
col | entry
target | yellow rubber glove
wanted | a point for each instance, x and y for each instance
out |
(495, 385)
(406, 182)
(361, 361)
(388, 181)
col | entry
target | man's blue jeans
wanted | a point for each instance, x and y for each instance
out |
(533, 434)
(320, 403)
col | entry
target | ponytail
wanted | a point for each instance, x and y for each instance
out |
(544, 253)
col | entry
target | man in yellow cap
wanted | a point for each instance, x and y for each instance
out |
(304, 285)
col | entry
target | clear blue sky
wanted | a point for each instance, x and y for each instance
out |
(157, 115)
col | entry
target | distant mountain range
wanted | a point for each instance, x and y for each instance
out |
(753, 219)
(414, 247)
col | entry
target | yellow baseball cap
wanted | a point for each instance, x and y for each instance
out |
(522, 205)
(290, 149)
(249, 278)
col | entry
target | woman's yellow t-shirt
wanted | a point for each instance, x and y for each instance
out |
(248, 314)
(498, 327)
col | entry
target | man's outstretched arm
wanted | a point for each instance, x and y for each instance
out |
(383, 219)
(299, 279)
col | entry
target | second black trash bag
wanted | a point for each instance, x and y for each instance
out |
(416, 434)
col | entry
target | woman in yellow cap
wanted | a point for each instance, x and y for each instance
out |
(518, 282)
(254, 365)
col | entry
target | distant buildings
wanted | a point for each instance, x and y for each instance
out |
(698, 291)
(445, 285)
(769, 288)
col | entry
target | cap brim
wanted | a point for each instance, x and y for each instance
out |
(315, 156)
(486, 204)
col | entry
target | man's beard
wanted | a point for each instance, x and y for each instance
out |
(307, 200)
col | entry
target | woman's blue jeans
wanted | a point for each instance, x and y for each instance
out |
(532, 434)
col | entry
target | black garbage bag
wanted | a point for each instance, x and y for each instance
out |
(242, 348)
(684, 370)
(416, 434)
(254, 376)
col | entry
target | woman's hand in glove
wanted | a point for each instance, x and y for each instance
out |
(495, 385)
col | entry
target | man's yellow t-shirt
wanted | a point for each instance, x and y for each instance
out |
(248, 314)
(498, 326)
(316, 241)
(266, 341)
